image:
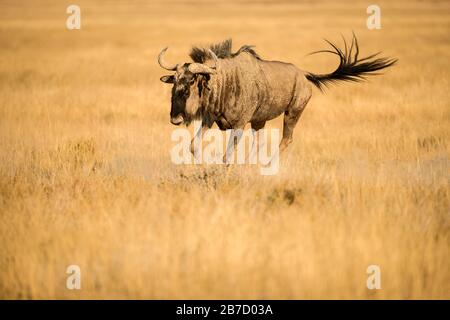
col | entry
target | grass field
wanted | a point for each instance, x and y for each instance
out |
(86, 176)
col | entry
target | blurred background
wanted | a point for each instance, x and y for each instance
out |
(86, 176)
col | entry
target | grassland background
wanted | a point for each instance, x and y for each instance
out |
(86, 176)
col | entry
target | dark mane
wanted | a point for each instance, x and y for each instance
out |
(222, 50)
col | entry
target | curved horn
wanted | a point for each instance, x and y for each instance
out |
(213, 55)
(163, 64)
(200, 68)
(203, 68)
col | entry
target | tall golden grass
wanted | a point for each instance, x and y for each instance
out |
(86, 176)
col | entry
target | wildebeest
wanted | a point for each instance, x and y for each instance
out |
(233, 89)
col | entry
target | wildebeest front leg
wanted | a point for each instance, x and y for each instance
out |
(235, 137)
(196, 142)
(257, 142)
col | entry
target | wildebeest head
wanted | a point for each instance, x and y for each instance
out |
(189, 82)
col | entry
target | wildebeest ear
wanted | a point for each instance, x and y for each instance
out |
(167, 79)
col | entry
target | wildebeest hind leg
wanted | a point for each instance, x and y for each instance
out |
(291, 117)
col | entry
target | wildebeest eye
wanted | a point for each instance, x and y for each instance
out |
(192, 82)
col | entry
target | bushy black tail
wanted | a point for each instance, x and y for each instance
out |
(350, 67)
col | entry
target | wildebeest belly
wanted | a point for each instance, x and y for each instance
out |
(268, 112)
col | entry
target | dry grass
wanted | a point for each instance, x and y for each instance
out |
(86, 177)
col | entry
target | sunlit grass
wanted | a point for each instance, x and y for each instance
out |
(86, 177)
